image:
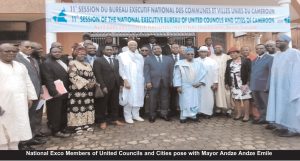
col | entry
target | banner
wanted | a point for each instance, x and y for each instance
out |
(89, 17)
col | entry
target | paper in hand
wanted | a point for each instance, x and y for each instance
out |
(60, 87)
(40, 104)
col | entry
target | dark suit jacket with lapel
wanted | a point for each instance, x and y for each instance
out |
(260, 73)
(155, 71)
(171, 56)
(51, 71)
(105, 75)
(34, 72)
(245, 71)
(166, 50)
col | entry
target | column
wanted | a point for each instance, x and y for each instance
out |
(286, 3)
(50, 36)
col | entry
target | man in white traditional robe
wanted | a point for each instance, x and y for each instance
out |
(189, 75)
(284, 96)
(131, 70)
(206, 93)
(222, 95)
(16, 96)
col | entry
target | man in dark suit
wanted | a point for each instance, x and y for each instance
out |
(166, 50)
(35, 116)
(91, 54)
(152, 43)
(189, 43)
(106, 70)
(174, 100)
(53, 69)
(108, 41)
(260, 81)
(158, 73)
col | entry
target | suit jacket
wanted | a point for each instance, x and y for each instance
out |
(155, 71)
(34, 72)
(245, 71)
(260, 73)
(51, 71)
(166, 50)
(105, 75)
(171, 56)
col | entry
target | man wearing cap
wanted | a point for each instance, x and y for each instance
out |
(223, 100)
(206, 93)
(284, 96)
(189, 75)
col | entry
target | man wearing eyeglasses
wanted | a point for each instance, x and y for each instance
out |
(189, 75)
(145, 51)
(35, 116)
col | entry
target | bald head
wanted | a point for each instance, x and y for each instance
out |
(56, 45)
(8, 52)
(245, 51)
(132, 45)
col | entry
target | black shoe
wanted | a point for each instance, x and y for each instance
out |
(207, 117)
(40, 135)
(151, 119)
(287, 134)
(166, 118)
(259, 122)
(61, 135)
(23, 146)
(35, 141)
(280, 131)
(270, 127)
(68, 130)
(195, 119)
(183, 121)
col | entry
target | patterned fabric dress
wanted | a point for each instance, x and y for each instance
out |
(235, 74)
(81, 109)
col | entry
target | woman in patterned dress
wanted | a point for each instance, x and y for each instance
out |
(81, 111)
(237, 76)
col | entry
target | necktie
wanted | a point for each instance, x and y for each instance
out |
(159, 60)
(176, 59)
(111, 62)
(258, 58)
(32, 62)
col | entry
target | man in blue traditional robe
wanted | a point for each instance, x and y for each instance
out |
(284, 96)
(189, 75)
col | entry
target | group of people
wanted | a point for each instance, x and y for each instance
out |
(168, 81)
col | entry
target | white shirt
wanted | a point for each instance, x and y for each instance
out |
(261, 56)
(158, 58)
(107, 58)
(25, 56)
(174, 56)
(62, 64)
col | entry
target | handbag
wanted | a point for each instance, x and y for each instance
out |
(98, 91)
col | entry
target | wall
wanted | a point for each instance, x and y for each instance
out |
(22, 6)
(68, 39)
(37, 32)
